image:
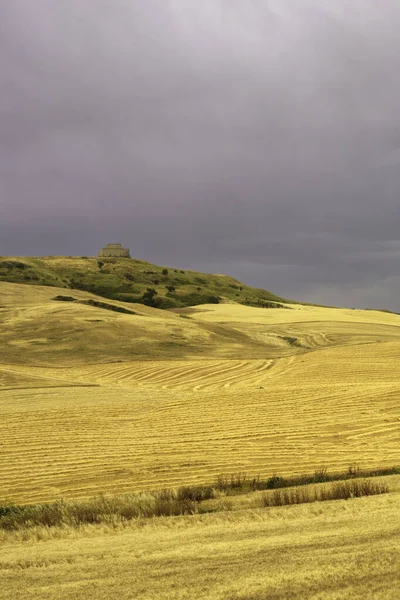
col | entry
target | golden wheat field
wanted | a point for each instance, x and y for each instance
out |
(243, 389)
(93, 401)
(324, 551)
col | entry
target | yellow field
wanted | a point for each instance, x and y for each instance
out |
(325, 551)
(96, 401)
(87, 404)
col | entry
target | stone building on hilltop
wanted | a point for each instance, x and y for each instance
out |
(115, 250)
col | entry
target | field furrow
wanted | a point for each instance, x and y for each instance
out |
(318, 409)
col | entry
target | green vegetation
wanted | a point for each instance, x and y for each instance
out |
(107, 306)
(135, 281)
(95, 303)
(61, 298)
(263, 304)
(292, 341)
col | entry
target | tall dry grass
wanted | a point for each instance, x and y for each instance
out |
(102, 509)
(112, 509)
(238, 483)
(341, 490)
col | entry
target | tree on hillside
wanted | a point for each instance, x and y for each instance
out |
(149, 297)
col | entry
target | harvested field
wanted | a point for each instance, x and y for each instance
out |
(135, 425)
(98, 422)
(330, 550)
(94, 401)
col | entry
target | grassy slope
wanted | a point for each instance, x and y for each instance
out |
(37, 330)
(127, 280)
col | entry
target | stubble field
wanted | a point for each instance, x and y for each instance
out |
(328, 551)
(93, 401)
(325, 394)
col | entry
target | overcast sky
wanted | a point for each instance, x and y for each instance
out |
(258, 138)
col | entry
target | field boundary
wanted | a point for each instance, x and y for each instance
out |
(278, 491)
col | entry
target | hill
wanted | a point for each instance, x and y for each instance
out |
(44, 325)
(130, 280)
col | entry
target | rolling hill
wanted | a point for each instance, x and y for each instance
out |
(93, 400)
(129, 280)
(100, 397)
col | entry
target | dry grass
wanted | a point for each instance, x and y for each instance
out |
(102, 509)
(341, 490)
(327, 551)
(36, 330)
(113, 509)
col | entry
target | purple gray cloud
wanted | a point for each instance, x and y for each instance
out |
(255, 137)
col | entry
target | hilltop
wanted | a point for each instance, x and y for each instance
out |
(134, 281)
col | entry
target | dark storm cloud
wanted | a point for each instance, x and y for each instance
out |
(255, 137)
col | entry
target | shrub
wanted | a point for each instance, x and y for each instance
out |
(149, 297)
(132, 298)
(196, 298)
(195, 493)
(164, 272)
(107, 306)
(292, 341)
(64, 299)
(276, 482)
(321, 475)
(13, 264)
(262, 303)
(162, 302)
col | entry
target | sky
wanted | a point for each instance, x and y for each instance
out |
(257, 138)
